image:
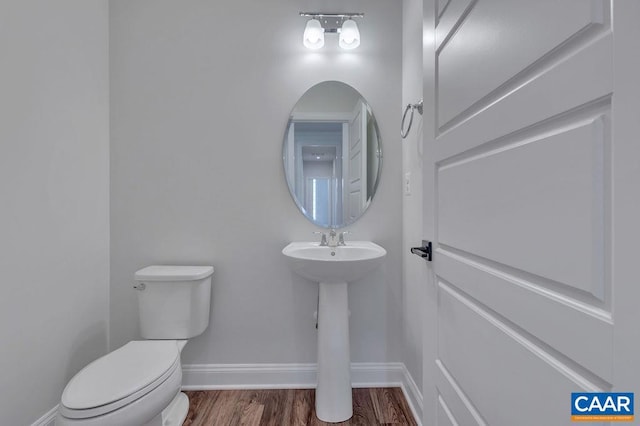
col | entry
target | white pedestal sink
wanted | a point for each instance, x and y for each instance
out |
(333, 268)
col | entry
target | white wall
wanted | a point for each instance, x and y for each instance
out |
(200, 96)
(413, 267)
(54, 205)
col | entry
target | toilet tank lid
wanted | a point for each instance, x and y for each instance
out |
(173, 273)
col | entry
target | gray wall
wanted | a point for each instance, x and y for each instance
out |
(54, 199)
(414, 268)
(200, 96)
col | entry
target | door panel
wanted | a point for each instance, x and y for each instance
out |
(499, 40)
(521, 204)
(507, 369)
(579, 79)
(533, 201)
(566, 324)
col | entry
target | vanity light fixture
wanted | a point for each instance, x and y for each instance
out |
(313, 37)
(349, 36)
(336, 23)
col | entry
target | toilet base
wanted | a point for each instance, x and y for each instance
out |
(177, 411)
(174, 414)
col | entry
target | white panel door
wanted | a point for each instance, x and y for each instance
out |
(532, 169)
(357, 176)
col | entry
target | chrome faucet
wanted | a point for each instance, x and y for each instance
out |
(332, 238)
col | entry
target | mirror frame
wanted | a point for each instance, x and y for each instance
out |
(379, 154)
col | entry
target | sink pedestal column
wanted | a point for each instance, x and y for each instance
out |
(333, 394)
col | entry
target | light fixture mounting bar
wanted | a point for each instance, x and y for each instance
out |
(332, 15)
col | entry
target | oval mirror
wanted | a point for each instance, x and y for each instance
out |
(332, 154)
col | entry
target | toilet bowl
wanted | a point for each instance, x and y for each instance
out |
(139, 384)
(129, 386)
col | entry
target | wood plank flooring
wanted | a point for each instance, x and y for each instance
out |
(284, 407)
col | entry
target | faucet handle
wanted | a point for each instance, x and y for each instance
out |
(341, 237)
(323, 238)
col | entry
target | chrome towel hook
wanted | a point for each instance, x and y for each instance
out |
(411, 107)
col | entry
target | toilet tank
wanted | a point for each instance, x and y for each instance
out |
(173, 301)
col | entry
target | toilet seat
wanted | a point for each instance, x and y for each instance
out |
(121, 378)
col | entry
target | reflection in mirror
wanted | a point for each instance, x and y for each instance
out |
(332, 154)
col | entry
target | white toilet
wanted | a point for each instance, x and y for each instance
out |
(139, 383)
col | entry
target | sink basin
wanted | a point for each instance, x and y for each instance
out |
(333, 268)
(334, 264)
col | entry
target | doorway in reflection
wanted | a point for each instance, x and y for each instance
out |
(320, 200)
(318, 154)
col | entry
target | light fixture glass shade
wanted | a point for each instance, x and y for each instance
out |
(349, 35)
(313, 37)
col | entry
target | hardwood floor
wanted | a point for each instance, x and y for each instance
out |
(284, 407)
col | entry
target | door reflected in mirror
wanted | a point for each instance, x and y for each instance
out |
(332, 154)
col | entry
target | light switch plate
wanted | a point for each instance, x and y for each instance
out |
(407, 183)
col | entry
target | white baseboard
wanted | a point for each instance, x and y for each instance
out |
(299, 376)
(413, 395)
(248, 376)
(48, 419)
